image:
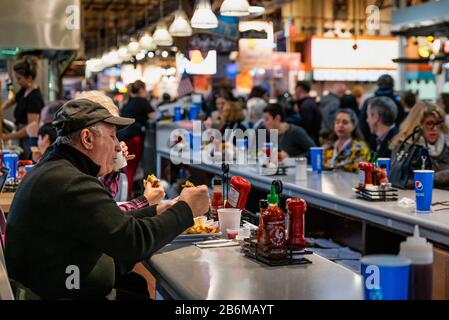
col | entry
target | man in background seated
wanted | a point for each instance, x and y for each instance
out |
(255, 107)
(293, 140)
(65, 230)
(381, 117)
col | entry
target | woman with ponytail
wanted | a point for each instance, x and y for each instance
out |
(28, 101)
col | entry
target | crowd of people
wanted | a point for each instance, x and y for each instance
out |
(75, 145)
(349, 128)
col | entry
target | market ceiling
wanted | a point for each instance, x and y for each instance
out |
(105, 21)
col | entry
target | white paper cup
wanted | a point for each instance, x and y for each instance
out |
(229, 218)
(120, 162)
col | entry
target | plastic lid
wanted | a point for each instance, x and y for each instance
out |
(417, 249)
(273, 198)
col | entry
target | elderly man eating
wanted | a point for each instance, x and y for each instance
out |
(65, 230)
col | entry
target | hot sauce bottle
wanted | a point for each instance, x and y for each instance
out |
(274, 226)
(261, 235)
(217, 199)
(296, 208)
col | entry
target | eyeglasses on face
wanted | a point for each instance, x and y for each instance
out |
(432, 124)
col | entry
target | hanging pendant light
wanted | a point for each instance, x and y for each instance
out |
(133, 47)
(146, 42)
(113, 55)
(180, 26)
(123, 53)
(161, 36)
(204, 17)
(235, 8)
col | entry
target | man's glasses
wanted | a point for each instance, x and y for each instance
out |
(432, 124)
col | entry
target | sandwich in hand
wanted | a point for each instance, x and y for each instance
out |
(187, 184)
(152, 180)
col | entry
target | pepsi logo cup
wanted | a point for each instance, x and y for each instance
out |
(423, 189)
(316, 158)
(10, 161)
(177, 114)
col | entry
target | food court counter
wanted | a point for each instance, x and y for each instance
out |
(183, 271)
(333, 191)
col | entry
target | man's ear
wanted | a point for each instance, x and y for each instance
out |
(46, 139)
(86, 139)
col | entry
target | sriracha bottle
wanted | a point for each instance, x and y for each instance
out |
(274, 226)
(217, 199)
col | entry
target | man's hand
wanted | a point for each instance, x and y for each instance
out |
(197, 198)
(282, 155)
(125, 151)
(154, 195)
(162, 207)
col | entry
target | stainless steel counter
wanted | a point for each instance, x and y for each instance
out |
(187, 272)
(333, 191)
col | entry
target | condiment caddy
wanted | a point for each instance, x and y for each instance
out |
(373, 184)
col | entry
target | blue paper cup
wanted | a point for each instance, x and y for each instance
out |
(385, 277)
(194, 111)
(10, 161)
(316, 158)
(384, 162)
(423, 189)
(177, 114)
(28, 168)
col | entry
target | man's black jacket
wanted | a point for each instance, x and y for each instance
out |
(63, 220)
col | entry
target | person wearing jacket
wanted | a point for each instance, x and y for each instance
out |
(381, 115)
(435, 136)
(308, 110)
(63, 243)
(385, 85)
(347, 149)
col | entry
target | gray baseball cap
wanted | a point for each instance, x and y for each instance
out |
(78, 114)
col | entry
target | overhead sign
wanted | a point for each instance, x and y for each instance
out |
(336, 59)
(256, 53)
(197, 64)
(340, 54)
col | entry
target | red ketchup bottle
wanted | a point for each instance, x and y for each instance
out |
(296, 209)
(366, 170)
(274, 226)
(238, 193)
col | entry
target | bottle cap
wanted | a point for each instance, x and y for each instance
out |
(417, 249)
(263, 203)
(297, 204)
(217, 182)
(273, 198)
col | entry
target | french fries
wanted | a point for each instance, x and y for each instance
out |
(201, 226)
(153, 180)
